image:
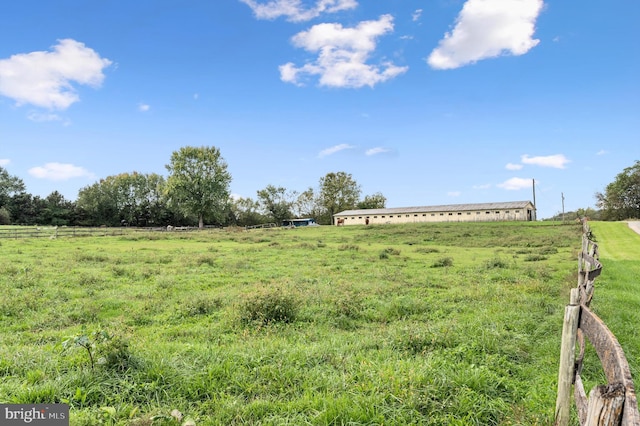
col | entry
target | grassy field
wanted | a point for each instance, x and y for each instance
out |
(617, 295)
(430, 324)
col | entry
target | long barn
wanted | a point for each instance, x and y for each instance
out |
(479, 212)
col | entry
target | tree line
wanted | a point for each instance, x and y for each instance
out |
(196, 191)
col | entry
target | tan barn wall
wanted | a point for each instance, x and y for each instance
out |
(448, 216)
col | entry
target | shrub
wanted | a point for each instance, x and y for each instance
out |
(269, 306)
(5, 217)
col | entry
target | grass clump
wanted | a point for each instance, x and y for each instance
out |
(268, 306)
(442, 262)
(389, 251)
(496, 263)
(535, 258)
(202, 306)
(427, 250)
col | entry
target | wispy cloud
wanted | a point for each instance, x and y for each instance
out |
(557, 161)
(334, 149)
(483, 186)
(487, 29)
(4, 161)
(142, 107)
(511, 166)
(59, 171)
(515, 184)
(342, 55)
(295, 11)
(454, 193)
(377, 150)
(44, 79)
(415, 16)
(602, 152)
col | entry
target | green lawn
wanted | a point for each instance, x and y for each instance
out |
(617, 292)
(428, 324)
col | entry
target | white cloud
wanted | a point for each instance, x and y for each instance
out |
(515, 183)
(342, 55)
(377, 150)
(602, 152)
(334, 149)
(295, 11)
(41, 117)
(45, 79)
(557, 161)
(511, 166)
(59, 171)
(454, 193)
(143, 107)
(416, 15)
(4, 161)
(487, 29)
(483, 186)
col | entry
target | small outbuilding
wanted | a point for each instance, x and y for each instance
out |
(478, 212)
(299, 222)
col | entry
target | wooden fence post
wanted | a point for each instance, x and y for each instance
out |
(605, 405)
(566, 371)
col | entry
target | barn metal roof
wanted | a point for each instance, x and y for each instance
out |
(441, 208)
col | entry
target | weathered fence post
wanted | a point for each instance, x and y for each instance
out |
(567, 359)
(605, 405)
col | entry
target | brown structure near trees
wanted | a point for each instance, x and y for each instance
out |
(479, 212)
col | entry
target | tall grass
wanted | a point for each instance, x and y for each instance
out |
(319, 326)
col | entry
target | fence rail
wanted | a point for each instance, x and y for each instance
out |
(262, 225)
(55, 232)
(607, 405)
(82, 231)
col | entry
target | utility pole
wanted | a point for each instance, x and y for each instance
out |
(562, 193)
(535, 215)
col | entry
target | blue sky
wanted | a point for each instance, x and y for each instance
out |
(428, 102)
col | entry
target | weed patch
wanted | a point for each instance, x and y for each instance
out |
(442, 262)
(496, 263)
(535, 258)
(427, 250)
(269, 305)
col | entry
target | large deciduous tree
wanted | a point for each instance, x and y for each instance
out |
(245, 211)
(277, 202)
(131, 198)
(338, 192)
(9, 185)
(621, 198)
(308, 205)
(198, 183)
(374, 201)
